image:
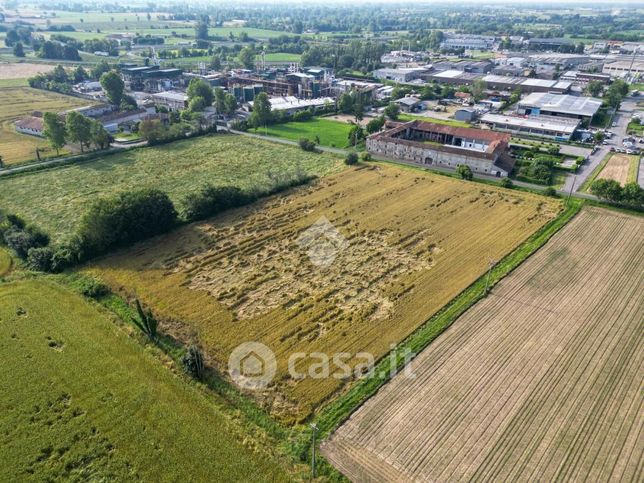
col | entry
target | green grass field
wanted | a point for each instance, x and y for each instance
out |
(55, 199)
(331, 133)
(83, 401)
(282, 57)
(5, 262)
(435, 120)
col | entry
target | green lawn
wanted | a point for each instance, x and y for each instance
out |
(55, 199)
(281, 57)
(82, 401)
(331, 133)
(447, 122)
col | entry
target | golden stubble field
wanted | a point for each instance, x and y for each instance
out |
(619, 168)
(539, 381)
(17, 102)
(412, 241)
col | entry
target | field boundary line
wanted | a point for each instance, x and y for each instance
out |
(338, 411)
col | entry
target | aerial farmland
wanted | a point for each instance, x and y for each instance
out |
(305, 241)
(528, 383)
(414, 241)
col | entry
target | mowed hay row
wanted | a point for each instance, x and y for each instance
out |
(412, 241)
(618, 168)
(540, 381)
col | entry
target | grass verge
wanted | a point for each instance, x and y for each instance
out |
(585, 186)
(339, 410)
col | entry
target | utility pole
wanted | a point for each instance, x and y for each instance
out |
(314, 427)
(574, 179)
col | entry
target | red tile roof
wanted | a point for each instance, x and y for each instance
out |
(30, 122)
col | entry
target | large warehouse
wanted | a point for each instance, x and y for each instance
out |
(544, 103)
(427, 143)
(557, 128)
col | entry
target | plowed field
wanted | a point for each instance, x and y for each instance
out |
(540, 381)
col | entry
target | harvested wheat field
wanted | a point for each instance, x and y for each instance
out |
(18, 102)
(20, 70)
(409, 242)
(540, 381)
(619, 168)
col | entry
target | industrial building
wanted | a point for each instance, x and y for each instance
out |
(557, 128)
(583, 78)
(624, 67)
(471, 42)
(400, 75)
(151, 78)
(430, 144)
(173, 100)
(542, 103)
(292, 104)
(548, 44)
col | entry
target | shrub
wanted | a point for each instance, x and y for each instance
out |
(22, 240)
(210, 200)
(307, 145)
(125, 218)
(550, 191)
(464, 171)
(90, 287)
(366, 156)
(351, 159)
(145, 321)
(193, 362)
(506, 183)
(40, 259)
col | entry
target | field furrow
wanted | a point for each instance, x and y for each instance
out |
(540, 381)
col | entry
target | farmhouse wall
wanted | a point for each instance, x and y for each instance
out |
(427, 155)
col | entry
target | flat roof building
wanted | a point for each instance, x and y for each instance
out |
(543, 103)
(293, 104)
(400, 75)
(557, 128)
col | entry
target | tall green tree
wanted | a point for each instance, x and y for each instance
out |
(392, 111)
(18, 50)
(261, 114)
(200, 88)
(220, 99)
(54, 131)
(79, 129)
(230, 104)
(113, 86)
(247, 57)
(201, 29)
(99, 135)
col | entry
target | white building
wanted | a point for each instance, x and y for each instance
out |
(557, 128)
(173, 100)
